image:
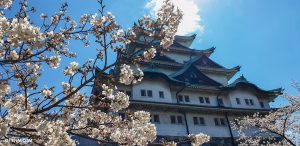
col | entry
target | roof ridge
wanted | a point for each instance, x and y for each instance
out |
(186, 67)
(243, 80)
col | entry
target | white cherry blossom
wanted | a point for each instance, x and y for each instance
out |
(5, 3)
(54, 61)
(51, 115)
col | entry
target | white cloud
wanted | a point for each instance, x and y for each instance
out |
(191, 18)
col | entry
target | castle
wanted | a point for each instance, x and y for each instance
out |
(187, 92)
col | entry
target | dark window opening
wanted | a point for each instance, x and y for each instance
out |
(207, 100)
(201, 99)
(179, 119)
(195, 119)
(143, 92)
(187, 98)
(251, 101)
(220, 101)
(216, 122)
(222, 121)
(173, 120)
(201, 119)
(238, 101)
(156, 118)
(149, 93)
(161, 94)
(180, 98)
(247, 101)
(128, 93)
(262, 105)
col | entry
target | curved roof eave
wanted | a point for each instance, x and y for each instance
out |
(166, 77)
(275, 92)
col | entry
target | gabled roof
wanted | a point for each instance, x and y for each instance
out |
(176, 47)
(163, 61)
(204, 61)
(205, 64)
(185, 40)
(243, 82)
(164, 58)
(190, 74)
(153, 73)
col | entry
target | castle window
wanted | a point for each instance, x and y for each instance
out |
(187, 98)
(247, 101)
(238, 101)
(201, 99)
(173, 119)
(198, 121)
(201, 119)
(195, 119)
(180, 98)
(156, 118)
(207, 100)
(128, 93)
(161, 94)
(262, 105)
(251, 101)
(220, 101)
(179, 119)
(143, 92)
(222, 121)
(149, 93)
(216, 121)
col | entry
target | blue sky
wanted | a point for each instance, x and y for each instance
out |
(261, 36)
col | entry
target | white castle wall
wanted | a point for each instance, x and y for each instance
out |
(194, 98)
(154, 85)
(242, 95)
(209, 128)
(164, 127)
(266, 102)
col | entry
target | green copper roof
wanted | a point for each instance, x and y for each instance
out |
(152, 72)
(200, 79)
(185, 40)
(242, 81)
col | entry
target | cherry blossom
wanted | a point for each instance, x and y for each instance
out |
(149, 54)
(50, 115)
(4, 89)
(199, 139)
(46, 92)
(54, 61)
(279, 127)
(72, 69)
(6, 3)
